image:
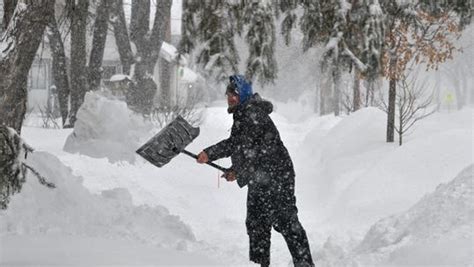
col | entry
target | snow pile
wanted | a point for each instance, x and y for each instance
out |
(107, 128)
(360, 132)
(358, 178)
(70, 209)
(436, 230)
(54, 250)
(336, 151)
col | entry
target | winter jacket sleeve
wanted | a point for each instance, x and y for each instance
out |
(223, 149)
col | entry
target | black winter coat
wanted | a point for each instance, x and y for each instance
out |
(258, 155)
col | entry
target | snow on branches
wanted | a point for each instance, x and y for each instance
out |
(260, 38)
(13, 167)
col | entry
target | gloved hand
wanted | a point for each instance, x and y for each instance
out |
(230, 176)
(202, 157)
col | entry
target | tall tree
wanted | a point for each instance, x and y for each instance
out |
(260, 38)
(165, 73)
(79, 14)
(8, 9)
(122, 38)
(346, 29)
(59, 67)
(18, 46)
(100, 29)
(373, 47)
(148, 43)
(333, 57)
(415, 34)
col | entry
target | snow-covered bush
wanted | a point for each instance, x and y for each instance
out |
(13, 169)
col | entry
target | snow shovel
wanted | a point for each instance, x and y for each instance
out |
(171, 141)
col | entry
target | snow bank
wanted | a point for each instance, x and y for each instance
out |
(437, 230)
(359, 132)
(336, 151)
(394, 177)
(107, 128)
(358, 178)
(60, 250)
(71, 209)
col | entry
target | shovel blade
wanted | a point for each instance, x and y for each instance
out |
(169, 142)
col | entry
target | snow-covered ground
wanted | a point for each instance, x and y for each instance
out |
(120, 211)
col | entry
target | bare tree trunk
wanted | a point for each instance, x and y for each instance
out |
(325, 94)
(317, 95)
(356, 88)
(60, 75)
(21, 43)
(392, 95)
(401, 123)
(165, 73)
(148, 48)
(369, 92)
(375, 84)
(122, 39)
(79, 14)
(8, 9)
(337, 90)
(98, 44)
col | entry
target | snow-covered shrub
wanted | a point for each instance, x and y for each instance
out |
(13, 153)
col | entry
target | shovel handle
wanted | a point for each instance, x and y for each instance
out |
(208, 163)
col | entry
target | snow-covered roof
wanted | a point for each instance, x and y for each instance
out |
(120, 77)
(168, 52)
(188, 75)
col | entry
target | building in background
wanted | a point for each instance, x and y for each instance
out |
(183, 80)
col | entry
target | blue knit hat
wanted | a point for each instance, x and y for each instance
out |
(241, 87)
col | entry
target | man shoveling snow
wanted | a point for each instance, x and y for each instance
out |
(261, 161)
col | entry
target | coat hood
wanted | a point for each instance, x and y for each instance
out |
(257, 101)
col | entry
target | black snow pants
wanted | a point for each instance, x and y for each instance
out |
(275, 206)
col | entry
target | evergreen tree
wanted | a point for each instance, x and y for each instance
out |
(260, 37)
(210, 23)
(347, 31)
(188, 26)
(13, 167)
(288, 7)
(373, 45)
(213, 24)
(314, 25)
